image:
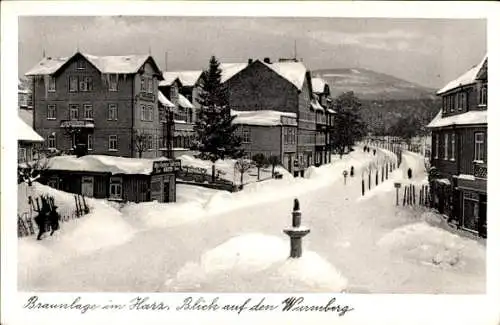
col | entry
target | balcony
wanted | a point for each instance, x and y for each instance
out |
(480, 170)
(86, 123)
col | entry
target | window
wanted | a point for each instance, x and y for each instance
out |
(73, 112)
(88, 112)
(436, 147)
(80, 65)
(112, 112)
(452, 155)
(90, 142)
(113, 82)
(479, 146)
(52, 84)
(73, 84)
(173, 92)
(115, 188)
(143, 84)
(150, 112)
(149, 143)
(21, 155)
(86, 84)
(51, 112)
(470, 216)
(245, 135)
(143, 112)
(150, 85)
(446, 146)
(462, 101)
(444, 103)
(113, 143)
(51, 141)
(483, 95)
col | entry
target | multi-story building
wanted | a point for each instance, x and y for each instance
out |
(283, 86)
(24, 95)
(184, 112)
(101, 102)
(459, 150)
(322, 103)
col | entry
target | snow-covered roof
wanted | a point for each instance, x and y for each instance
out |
(262, 118)
(105, 64)
(187, 78)
(163, 100)
(26, 133)
(184, 102)
(294, 72)
(101, 163)
(318, 85)
(331, 111)
(316, 105)
(468, 118)
(26, 115)
(229, 70)
(465, 79)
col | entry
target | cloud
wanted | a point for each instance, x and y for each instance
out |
(392, 40)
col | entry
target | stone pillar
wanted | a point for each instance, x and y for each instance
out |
(296, 232)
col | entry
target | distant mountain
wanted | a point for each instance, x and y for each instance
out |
(369, 85)
(384, 98)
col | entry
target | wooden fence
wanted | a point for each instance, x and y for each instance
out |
(26, 225)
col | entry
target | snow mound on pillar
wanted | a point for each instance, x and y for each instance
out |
(433, 246)
(256, 263)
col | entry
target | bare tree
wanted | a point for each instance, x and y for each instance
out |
(140, 142)
(242, 166)
(260, 161)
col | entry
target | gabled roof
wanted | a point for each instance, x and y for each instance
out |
(293, 72)
(468, 118)
(318, 85)
(26, 133)
(120, 64)
(187, 78)
(465, 79)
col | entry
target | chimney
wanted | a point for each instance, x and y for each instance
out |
(250, 61)
(267, 60)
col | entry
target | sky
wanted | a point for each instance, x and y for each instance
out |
(429, 52)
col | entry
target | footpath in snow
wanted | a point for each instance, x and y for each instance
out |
(233, 242)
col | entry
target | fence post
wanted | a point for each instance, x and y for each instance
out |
(362, 186)
(376, 177)
(405, 198)
(369, 180)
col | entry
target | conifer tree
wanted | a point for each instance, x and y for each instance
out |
(216, 133)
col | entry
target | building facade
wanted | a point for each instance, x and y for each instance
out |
(459, 150)
(100, 102)
(271, 133)
(283, 86)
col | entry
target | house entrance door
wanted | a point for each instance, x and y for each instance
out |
(88, 186)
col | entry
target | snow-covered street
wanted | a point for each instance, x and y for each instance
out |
(217, 241)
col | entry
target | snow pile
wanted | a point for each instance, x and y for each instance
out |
(258, 263)
(261, 118)
(102, 227)
(432, 246)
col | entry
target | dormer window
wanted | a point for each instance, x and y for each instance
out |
(80, 65)
(52, 84)
(483, 95)
(462, 101)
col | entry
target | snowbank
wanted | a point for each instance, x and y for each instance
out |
(433, 246)
(212, 203)
(259, 263)
(103, 227)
